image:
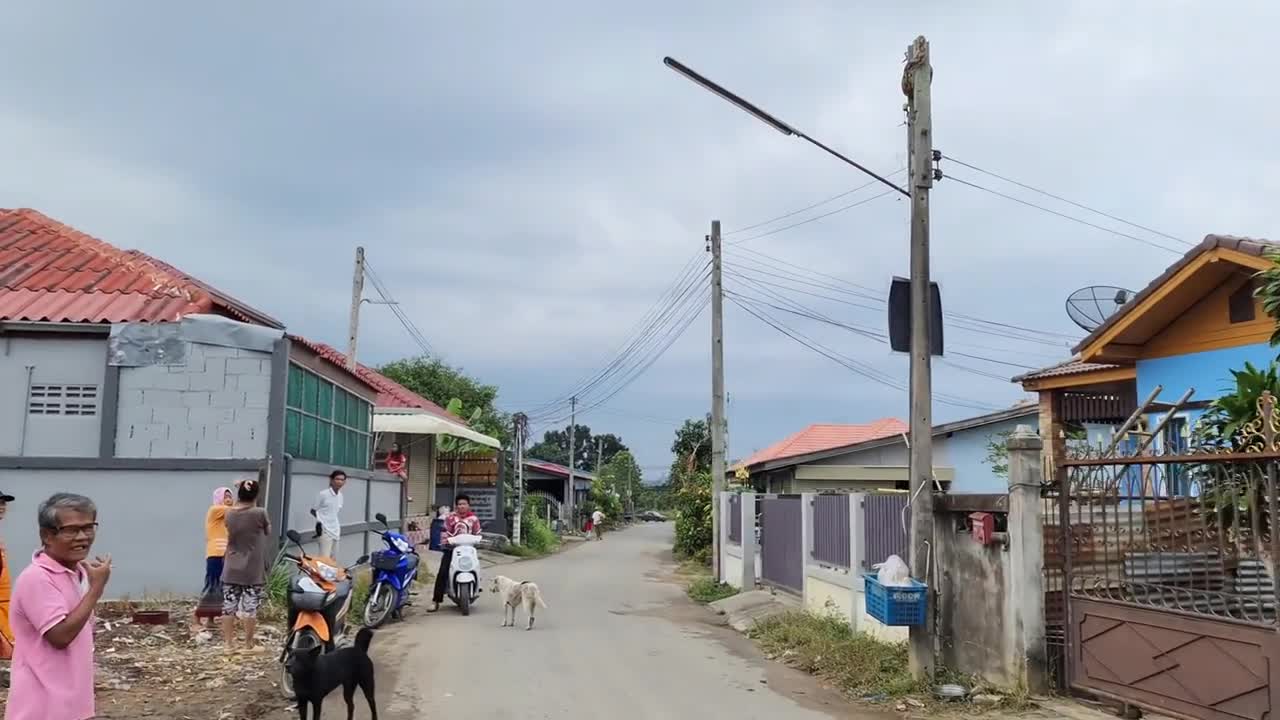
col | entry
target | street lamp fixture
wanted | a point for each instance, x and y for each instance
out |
(766, 118)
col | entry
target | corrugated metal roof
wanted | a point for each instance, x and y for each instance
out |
(818, 437)
(557, 469)
(391, 394)
(50, 272)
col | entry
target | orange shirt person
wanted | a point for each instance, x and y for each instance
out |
(6, 632)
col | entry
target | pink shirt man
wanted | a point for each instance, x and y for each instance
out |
(48, 683)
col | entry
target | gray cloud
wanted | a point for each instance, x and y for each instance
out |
(528, 178)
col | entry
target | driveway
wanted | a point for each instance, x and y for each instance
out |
(619, 640)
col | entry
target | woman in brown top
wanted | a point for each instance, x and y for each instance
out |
(244, 569)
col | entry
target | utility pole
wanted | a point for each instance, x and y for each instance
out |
(717, 397)
(916, 80)
(519, 421)
(573, 426)
(599, 455)
(357, 294)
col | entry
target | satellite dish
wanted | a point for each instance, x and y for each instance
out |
(1089, 307)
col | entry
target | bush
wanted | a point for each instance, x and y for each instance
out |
(693, 517)
(706, 590)
(537, 536)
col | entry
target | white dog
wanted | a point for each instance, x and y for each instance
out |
(515, 593)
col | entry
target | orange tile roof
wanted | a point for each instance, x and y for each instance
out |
(50, 272)
(819, 437)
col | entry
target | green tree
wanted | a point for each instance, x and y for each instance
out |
(692, 448)
(1226, 416)
(623, 476)
(554, 447)
(442, 384)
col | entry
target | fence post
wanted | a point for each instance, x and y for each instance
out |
(747, 506)
(1025, 636)
(857, 552)
(806, 545)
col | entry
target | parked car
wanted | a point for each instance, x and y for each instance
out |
(652, 516)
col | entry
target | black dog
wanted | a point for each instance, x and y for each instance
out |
(315, 675)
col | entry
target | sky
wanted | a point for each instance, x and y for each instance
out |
(528, 179)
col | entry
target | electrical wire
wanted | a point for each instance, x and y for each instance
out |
(1082, 206)
(410, 327)
(815, 218)
(806, 208)
(856, 366)
(1064, 216)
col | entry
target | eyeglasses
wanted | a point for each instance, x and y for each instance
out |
(71, 532)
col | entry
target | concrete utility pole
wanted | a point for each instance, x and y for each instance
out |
(357, 294)
(599, 455)
(915, 84)
(573, 426)
(519, 421)
(717, 396)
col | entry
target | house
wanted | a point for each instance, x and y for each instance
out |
(856, 458)
(127, 380)
(551, 479)
(1185, 331)
(401, 416)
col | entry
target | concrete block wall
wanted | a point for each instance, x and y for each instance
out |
(214, 406)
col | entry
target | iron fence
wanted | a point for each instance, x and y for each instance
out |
(831, 530)
(886, 529)
(735, 519)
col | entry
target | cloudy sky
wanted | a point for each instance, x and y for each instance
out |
(528, 179)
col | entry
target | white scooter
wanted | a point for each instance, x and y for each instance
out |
(464, 585)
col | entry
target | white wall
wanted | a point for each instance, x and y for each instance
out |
(151, 522)
(55, 359)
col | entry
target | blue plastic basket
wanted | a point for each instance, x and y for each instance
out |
(896, 605)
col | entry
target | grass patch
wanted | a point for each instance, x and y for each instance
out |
(706, 590)
(826, 646)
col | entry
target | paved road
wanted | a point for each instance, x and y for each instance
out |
(619, 638)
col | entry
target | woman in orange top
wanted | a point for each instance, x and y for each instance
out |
(215, 540)
(6, 632)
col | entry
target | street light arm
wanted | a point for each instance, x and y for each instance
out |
(766, 118)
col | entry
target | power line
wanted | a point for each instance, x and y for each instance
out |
(856, 366)
(806, 208)
(1082, 206)
(415, 334)
(1065, 216)
(815, 218)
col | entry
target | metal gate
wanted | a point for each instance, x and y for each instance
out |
(1159, 567)
(782, 542)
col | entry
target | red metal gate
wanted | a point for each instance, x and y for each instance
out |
(1160, 574)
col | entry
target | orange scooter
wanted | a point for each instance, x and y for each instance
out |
(318, 600)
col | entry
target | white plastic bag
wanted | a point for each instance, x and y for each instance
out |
(893, 572)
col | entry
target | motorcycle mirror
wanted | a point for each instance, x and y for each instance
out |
(362, 559)
(294, 536)
(381, 518)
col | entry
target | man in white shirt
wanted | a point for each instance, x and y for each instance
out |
(326, 511)
(597, 524)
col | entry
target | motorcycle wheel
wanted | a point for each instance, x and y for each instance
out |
(301, 642)
(381, 603)
(464, 600)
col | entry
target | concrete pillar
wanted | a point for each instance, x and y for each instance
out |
(1051, 429)
(1024, 634)
(857, 552)
(806, 545)
(748, 509)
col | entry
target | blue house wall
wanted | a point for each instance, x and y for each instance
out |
(966, 452)
(1208, 372)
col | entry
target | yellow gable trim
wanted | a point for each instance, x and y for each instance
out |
(1093, 350)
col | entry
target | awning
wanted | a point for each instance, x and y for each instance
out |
(424, 423)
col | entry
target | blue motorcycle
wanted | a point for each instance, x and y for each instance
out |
(394, 571)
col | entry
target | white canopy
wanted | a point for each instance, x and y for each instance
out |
(420, 422)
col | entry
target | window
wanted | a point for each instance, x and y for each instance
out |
(1240, 306)
(77, 400)
(325, 423)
